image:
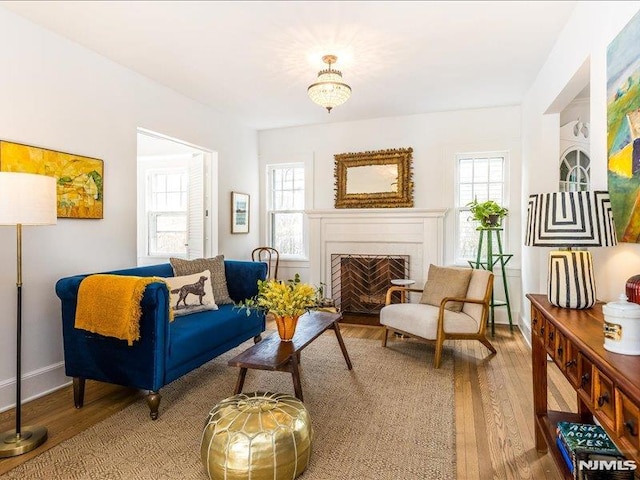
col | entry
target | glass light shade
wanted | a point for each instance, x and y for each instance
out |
(329, 91)
(27, 199)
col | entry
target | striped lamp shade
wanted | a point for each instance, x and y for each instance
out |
(570, 219)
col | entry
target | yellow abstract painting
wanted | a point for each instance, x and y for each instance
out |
(79, 180)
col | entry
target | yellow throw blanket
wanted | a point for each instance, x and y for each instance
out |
(110, 305)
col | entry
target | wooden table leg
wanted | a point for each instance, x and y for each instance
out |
(336, 328)
(240, 382)
(295, 374)
(539, 371)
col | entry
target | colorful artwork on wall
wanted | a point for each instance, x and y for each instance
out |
(623, 130)
(79, 179)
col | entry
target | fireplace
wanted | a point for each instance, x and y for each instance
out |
(417, 234)
(359, 283)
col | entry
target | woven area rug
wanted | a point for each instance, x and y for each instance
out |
(391, 417)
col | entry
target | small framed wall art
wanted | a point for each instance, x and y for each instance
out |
(239, 212)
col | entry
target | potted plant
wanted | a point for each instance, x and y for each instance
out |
(286, 301)
(488, 213)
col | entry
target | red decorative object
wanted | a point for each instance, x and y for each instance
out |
(633, 289)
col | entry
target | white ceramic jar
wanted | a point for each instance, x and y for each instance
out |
(622, 326)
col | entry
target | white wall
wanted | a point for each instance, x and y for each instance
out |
(57, 95)
(435, 139)
(577, 109)
(583, 42)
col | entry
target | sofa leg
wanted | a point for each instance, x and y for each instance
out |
(78, 391)
(153, 400)
(385, 334)
(257, 338)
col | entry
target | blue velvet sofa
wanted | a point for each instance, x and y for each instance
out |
(166, 350)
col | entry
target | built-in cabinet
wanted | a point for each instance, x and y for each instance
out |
(575, 161)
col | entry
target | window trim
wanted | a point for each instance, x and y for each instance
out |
(270, 212)
(564, 183)
(457, 209)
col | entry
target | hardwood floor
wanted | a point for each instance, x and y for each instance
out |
(494, 410)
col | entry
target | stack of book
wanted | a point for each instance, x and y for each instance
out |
(590, 454)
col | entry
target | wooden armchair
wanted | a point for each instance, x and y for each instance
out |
(429, 322)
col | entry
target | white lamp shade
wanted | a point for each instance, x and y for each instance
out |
(27, 199)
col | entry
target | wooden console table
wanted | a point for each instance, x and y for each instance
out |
(607, 384)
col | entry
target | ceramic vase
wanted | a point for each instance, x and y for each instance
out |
(286, 326)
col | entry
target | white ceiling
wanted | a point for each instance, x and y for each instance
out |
(151, 145)
(254, 60)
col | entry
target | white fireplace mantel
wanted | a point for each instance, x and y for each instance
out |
(418, 233)
(377, 213)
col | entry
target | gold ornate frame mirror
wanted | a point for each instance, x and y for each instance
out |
(380, 179)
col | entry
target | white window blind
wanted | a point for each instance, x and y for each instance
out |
(196, 208)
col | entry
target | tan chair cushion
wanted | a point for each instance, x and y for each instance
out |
(446, 282)
(477, 290)
(421, 320)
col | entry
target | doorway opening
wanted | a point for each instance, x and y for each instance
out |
(174, 201)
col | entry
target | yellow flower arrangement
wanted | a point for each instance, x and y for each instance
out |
(290, 298)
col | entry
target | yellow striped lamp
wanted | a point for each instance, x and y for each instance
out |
(570, 220)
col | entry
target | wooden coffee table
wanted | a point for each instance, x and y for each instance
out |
(276, 355)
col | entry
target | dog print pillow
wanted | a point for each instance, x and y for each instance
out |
(191, 293)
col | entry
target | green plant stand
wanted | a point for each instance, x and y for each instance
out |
(493, 259)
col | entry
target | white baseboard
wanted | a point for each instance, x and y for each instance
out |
(525, 328)
(34, 384)
(502, 317)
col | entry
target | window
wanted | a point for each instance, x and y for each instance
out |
(574, 171)
(167, 213)
(172, 208)
(480, 176)
(286, 204)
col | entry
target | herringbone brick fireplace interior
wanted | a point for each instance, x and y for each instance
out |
(359, 284)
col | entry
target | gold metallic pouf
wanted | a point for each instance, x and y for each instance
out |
(259, 435)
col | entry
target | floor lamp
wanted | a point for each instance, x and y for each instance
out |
(25, 199)
(568, 220)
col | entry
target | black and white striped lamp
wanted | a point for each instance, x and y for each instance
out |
(568, 220)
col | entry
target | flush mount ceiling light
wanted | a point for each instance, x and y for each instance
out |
(329, 91)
